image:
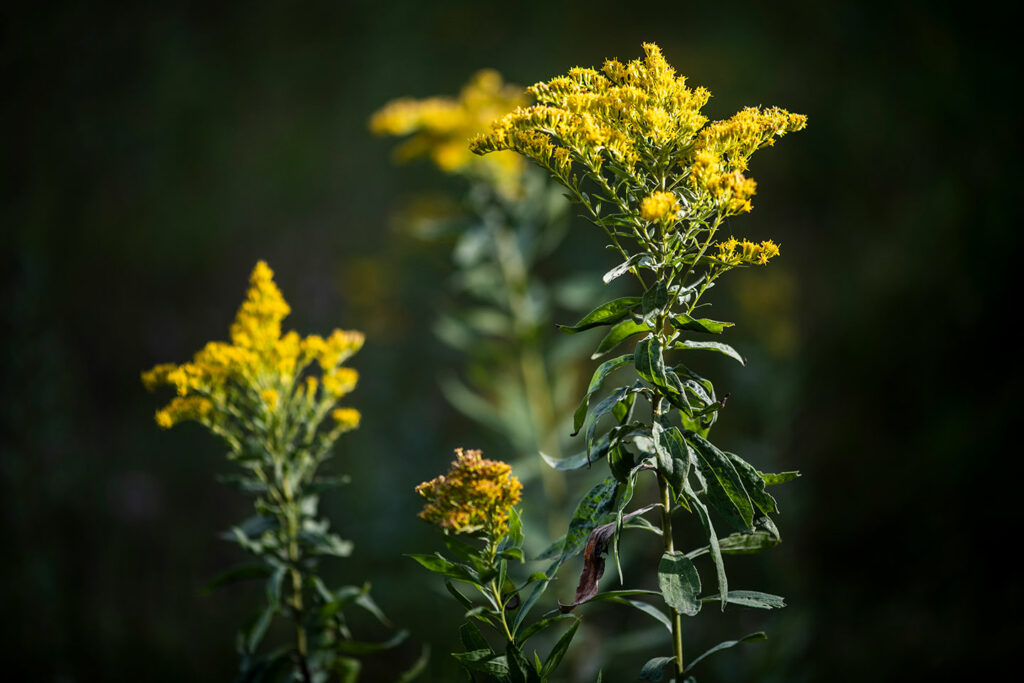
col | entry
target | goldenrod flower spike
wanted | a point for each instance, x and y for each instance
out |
(660, 207)
(475, 495)
(441, 127)
(258, 366)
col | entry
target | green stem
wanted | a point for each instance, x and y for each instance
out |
(666, 534)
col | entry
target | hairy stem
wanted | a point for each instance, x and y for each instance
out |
(666, 534)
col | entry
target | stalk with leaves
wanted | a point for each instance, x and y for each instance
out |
(508, 223)
(477, 500)
(632, 148)
(273, 399)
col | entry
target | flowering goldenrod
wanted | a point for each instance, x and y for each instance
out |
(441, 127)
(258, 366)
(475, 495)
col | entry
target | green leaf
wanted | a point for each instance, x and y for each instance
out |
(440, 565)
(484, 661)
(620, 598)
(726, 645)
(654, 300)
(418, 667)
(688, 324)
(472, 638)
(618, 334)
(259, 628)
(725, 487)
(753, 484)
(712, 346)
(754, 599)
(747, 544)
(713, 546)
(241, 572)
(623, 268)
(674, 456)
(591, 512)
(533, 629)
(580, 460)
(679, 583)
(513, 539)
(519, 670)
(654, 669)
(605, 314)
(459, 597)
(649, 361)
(351, 647)
(602, 371)
(558, 651)
(780, 478)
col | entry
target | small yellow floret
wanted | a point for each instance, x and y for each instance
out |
(660, 206)
(347, 418)
(734, 252)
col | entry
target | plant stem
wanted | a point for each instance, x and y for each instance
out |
(666, 534)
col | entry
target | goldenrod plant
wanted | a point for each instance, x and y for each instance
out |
(506, 226)
(275, 401)
(477, 500)
(631, 146)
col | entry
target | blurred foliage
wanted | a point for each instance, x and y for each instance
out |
(157, 144)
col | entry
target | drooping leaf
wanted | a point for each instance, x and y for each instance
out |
(654, 300)
(623, 268)
(649, 361)
(754, 599)
(712, 346)
(760, 635)
(654, 669)
(472, 638)
(602, 371)
(605, 314)
(580, 460)
(726, 492)
(535, 628)
(686, 323)
(754, 484)
(713, 546)
(679, 583)
(590, 512)
(484, 661)
(647, 608)
(746, 544)
(618, 334)
(593, 561)
(439, 565)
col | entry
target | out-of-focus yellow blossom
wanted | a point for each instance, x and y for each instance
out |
(643, 118)
(259, 365)
(270, 397)
(441, 128)
(475, 495)
(734, 252)
(660, 206)
(346, 418)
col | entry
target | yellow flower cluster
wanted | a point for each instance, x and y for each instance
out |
(259, 366)
(441, 128)
(475, 495)
(660, 206)
(639, 113)
(735, 252)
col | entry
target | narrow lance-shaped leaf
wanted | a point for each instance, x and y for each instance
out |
(725, 487)
(712, 346)
(754, 599)
(709, 529)
(780, 478)
(754, 484)
(623, 268)
(618, 334)
(602, 371)
(605, 314)
(724, 646)
(688, 324)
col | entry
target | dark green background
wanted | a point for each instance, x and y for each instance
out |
(151, 155)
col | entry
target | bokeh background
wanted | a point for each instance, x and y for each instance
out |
(152, 152)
